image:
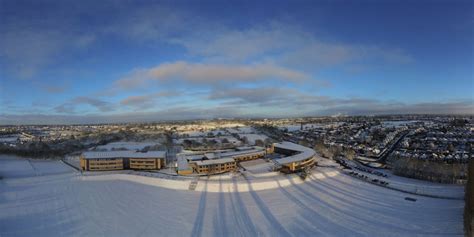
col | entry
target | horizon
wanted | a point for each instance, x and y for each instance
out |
(121, 62)
(191, 120)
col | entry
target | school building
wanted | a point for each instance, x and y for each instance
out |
(119, 160)
(218, 162)
(297, 157)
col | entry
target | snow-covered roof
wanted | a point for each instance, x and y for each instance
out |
(228, 154)
(192, 157)
(211, 156)
(123, 154)
(254, 150)
(244, 148)
(183, 163)
(304, 153)
(215, 162)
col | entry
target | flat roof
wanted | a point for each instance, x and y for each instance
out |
(252, 151)
(183, 163)
(304, 153)
(193, 157)
(222, 155)
(211, 156)
(123, 154)
(215, 162)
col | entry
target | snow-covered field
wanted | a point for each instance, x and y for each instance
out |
(244, 129)
(328, 204)
(397, 123)
(248, 132)
(415, 186)
(15, 167)
(252, 137)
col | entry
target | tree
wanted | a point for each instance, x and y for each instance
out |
(322, 149)
(259, 142)
(451, 147)
(245, 140)
(303, 142)
(334, 151)
(349, 153)
(267, 141)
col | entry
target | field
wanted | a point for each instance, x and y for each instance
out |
(48, 198)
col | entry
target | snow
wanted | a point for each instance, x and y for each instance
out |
(416, 186)
(219, 139)
(297, 127)
(127, 145)
(123, 154)
(305, 152)
(252, 137)
(9, 139)
(257, 166)
(245, 129)
(14, 167)
(397, 123)
(327, 204)
(215, 161)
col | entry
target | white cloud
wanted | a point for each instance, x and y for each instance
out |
(147, 101)
(286, 45)
(70, 106)
(180, 113)
(210, 74)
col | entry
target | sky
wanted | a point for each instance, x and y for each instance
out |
(139, 61)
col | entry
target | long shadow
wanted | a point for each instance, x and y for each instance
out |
(46, 223)
(309, 214)
(280, 230)
(352, 185)
(244, 224)
(199, 220)
(336, 213)
(394, 217)
(386, 210)
(368, 211)
(355, 195)
(363, 184)
(343, 203)
(345, 193)
(220, 228)
(327, 189)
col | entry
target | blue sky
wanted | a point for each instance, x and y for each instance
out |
(117, 61)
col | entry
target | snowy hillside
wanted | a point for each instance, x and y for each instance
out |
(62, 202)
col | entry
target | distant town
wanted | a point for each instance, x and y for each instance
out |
(402, 143)
(241, 172)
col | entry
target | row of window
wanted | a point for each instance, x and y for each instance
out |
(217, 165)
(105, 167)
(201, 170)
(248, 157)
(140, 162)
(104, 163)
(106, 159)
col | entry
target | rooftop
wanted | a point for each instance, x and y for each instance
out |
(183, 163)
(304, 152)
(123, 154)
(215, 162)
